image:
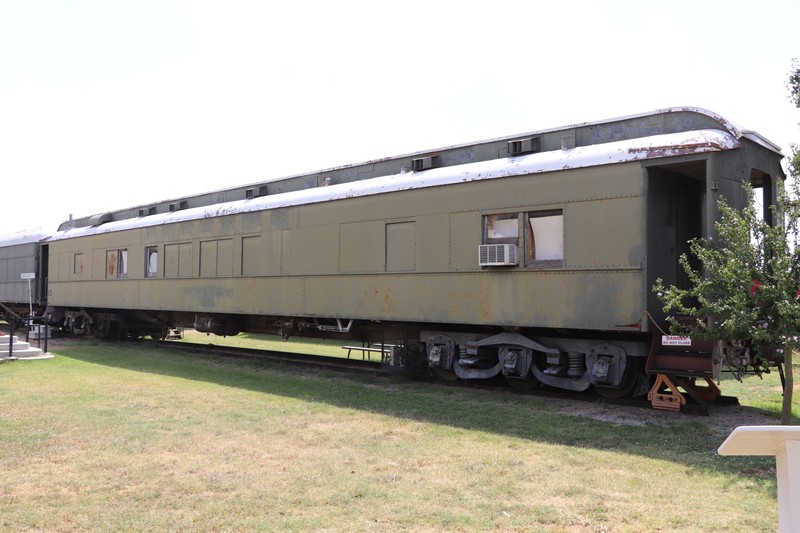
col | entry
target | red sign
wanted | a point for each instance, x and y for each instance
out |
(675, 340)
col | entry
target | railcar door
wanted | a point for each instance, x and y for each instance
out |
(675, 213)
(41, 276)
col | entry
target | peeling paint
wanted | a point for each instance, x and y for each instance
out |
(206, 296)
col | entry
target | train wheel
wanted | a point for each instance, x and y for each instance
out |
(630, 379)
(160, 336)
(445, 375)
(526, 383)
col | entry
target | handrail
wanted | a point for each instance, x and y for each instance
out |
(29, 321)
(15, 317)
(8, 310)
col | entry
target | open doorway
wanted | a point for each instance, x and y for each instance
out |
(676, 196)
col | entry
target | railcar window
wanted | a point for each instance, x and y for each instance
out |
(502, 229)
(122, 263)
(151, 258)
(117, 263)
(762, 186)
(545, 239)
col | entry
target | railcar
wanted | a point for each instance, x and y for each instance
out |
(529, 257)
(23, 274)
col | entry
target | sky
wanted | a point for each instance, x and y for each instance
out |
(112, 104)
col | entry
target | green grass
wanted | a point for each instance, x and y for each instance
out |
(765, 392)
(129, 437)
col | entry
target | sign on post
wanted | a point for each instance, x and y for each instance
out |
(29, 276)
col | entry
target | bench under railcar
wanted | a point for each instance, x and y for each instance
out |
(530, 257)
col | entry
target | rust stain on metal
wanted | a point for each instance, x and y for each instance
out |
(651, 152)
(636, 326)
(388, 302)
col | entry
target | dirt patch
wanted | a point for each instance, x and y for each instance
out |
(722, 419)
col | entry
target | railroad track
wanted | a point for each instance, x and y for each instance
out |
(374, 368)
(354, 366)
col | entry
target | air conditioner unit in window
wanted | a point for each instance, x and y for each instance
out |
(497, 254)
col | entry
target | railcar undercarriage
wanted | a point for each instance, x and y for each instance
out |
(575, 361)
(613, 368)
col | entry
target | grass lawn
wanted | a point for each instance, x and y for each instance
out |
(128, 437)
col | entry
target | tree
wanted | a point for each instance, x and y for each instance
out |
(794, 96)
(747, 288)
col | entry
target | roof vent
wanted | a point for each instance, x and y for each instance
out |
(497, 255)
(422, 163)
(523, 146)
(96, 220)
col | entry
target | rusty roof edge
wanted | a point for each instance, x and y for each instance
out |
(737, 130)
(726, 125)
(655, 147)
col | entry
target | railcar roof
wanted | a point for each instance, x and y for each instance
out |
(653, 128)
(653, 147)
(23, 237)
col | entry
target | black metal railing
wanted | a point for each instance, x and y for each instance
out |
(13, 319)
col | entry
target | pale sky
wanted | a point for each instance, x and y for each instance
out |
(110, 104)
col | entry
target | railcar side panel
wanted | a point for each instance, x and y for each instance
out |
(400, 256)
(463, 241)
(361, 248)
(310, 250)
(604, 233)
(14, 261)
(553, 299)
(433, 240)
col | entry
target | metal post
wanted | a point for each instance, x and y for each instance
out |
(30, 313)
(30, 299)
(11, 338)
(28, 276)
